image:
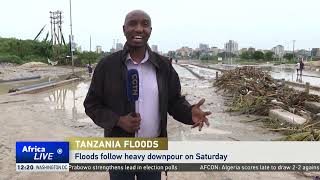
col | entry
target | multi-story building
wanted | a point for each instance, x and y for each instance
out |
(278, 51)
(112, 50)
(242, 50)
(251, 50)
(184, 51)
(98, 49)
(231, 47)
(302, 53)
(315, 52)
(221, 50)
(154, 48)
(119, 46)
(213, 51)
(203, 47)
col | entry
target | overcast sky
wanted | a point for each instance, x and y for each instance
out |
(258, 23)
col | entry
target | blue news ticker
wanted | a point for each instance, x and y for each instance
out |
(42, 152)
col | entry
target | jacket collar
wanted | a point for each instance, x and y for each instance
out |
(152, 58)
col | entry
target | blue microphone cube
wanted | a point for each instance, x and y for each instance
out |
(133, 85)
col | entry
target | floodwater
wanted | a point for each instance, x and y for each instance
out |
(70, 100)
(5, 87)
(287, 72)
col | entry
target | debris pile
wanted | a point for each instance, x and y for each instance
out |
(254, 91)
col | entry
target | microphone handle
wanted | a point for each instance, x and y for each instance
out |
(135, 109)
(134, 114)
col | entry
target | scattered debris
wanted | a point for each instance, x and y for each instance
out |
(256, 92)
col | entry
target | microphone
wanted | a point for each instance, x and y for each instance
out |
(133, 89)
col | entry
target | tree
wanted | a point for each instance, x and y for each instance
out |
(268, 55)
(258, 55)
(87, 58)
(246, 55)
(195, 55)
(288, 56)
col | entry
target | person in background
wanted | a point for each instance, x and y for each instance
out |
(301, 66)
(298, 68)
(89, 66)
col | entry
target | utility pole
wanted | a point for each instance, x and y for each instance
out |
(56, 33)
(51, 22)
(310, 54)
(293, 50)
(90, 51)
(90, 43)
(71, 40)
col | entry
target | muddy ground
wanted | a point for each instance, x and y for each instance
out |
(12, 71)
(56, 114)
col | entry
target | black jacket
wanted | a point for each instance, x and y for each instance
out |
(107, 97)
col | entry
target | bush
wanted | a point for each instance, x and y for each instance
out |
(35, 58)
(11, 59)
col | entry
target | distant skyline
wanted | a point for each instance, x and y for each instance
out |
(260, 24)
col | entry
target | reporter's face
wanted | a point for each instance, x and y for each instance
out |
(137, 29)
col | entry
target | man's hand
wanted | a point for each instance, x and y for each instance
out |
(129, 123)
(198, 116)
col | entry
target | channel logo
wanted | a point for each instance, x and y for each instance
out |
(42, 152)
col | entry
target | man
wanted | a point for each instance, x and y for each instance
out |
(301, 66)
(89, 66)
(159, 86)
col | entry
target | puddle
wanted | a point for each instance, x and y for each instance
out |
(5, 87)
(70, 99)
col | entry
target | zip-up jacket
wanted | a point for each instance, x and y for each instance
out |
(107, 99)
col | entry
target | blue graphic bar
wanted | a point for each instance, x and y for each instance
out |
(42, 152)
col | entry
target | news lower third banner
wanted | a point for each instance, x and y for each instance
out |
(158, 154)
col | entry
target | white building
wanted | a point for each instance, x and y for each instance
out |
(231, 47)
(119, 46)
(278, 51)
(154, 48)
(214, 51)
(98, 49)
(184, 52)
(203, 47)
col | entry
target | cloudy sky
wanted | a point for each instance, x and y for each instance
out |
(258, 23)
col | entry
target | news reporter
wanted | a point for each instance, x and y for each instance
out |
(107, 103)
